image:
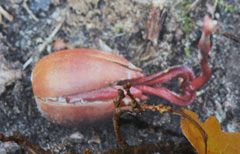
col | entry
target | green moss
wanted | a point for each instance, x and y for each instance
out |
(186, 23)
(230, 8)
(187, 51)
(118, 28)
(227, 7)
(153, 71)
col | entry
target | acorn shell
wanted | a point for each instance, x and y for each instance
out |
(69, 72)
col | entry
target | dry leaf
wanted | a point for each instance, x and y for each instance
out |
(59, 44)
(218, 142)
(7, 75)
(155, 21)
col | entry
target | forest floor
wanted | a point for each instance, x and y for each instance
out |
(118, 27)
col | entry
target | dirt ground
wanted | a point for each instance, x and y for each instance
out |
(117, 27)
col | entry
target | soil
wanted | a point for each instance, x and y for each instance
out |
(118, 27)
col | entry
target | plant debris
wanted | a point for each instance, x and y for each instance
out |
(8, 75)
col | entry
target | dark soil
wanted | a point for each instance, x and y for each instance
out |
(117, 27)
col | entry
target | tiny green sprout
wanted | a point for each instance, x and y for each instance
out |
(187, 51)
(227, 7)
(153, 71)
(220, 3)
(186, 23)
(230, 8)
(184, 4)
(118, 28)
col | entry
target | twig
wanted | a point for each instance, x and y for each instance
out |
(6, 14)
(202, 131)
(155, 21)
(137, 108)
(231, 36)
(193, 6)
(0, 18)
(214, 8)
(29, 61)
(117, 114)
(50, 37)
(164, 146)
(25, 6)
(41, 47)
(21, 140)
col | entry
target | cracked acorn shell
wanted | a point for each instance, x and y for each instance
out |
(69, 72)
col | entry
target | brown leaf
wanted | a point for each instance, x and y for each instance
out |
(7, 75)
(59, 44)
(155, 21)
(218, 142)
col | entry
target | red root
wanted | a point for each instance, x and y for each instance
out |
(190, 84)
